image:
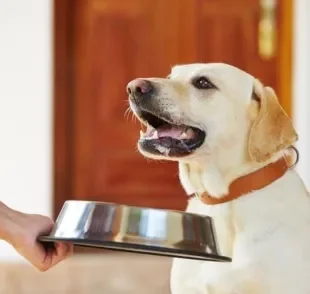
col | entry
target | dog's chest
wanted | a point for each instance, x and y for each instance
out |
(222, 220)
(187, 275)
(268, 243)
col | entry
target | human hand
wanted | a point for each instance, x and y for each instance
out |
(22, 232)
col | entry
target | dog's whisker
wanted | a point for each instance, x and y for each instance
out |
(133, 117)
(127, 114)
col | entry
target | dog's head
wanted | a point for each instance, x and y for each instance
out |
(200, 109)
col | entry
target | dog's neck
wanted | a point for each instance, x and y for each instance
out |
(215, 176)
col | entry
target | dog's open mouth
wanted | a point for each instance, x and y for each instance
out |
(165, 138)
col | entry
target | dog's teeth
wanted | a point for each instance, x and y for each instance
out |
(187, 134)
(155, 135)
(141, 133)
(148, 128)
(190, 133)
(183, 136)
(152, 135)
(167, 151)
(161, 149)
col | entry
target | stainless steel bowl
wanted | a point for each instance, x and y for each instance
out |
(136, 229)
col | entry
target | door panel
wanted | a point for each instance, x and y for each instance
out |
(231, 36)
(115, 43)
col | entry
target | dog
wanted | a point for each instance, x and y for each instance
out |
(231, 139)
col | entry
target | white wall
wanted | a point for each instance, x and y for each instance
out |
(25, 107)
(26, 103)
(301, 84)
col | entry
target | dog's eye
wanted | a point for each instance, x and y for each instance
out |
(202, 83)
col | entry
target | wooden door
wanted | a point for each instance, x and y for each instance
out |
(100, 45)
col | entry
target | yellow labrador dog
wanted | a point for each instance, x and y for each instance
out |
(230, 138)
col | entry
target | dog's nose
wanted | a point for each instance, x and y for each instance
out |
(139, 88)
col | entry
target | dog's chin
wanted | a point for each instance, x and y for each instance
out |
(166, 140)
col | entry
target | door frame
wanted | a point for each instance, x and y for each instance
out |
(63, 17)
(63, 94)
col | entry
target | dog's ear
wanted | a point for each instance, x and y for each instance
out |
(272, 130)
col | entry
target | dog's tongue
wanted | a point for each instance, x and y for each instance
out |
(170, 131)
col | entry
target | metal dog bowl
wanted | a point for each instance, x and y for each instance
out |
(136, 229)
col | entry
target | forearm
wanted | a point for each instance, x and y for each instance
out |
(7, 223)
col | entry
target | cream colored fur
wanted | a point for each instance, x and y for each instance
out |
(267, 233)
